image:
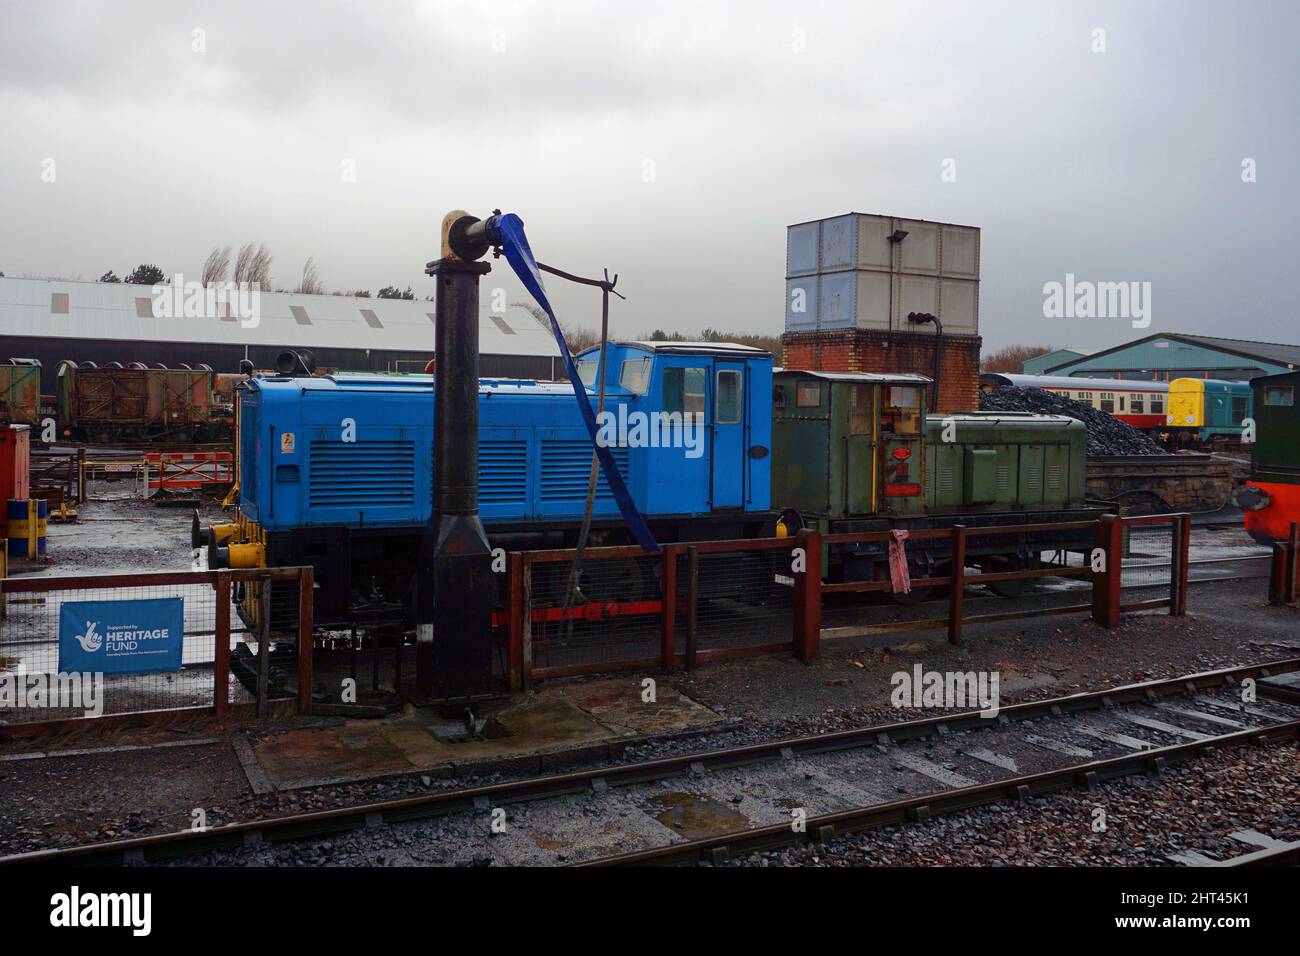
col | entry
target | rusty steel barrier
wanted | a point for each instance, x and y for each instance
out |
(709, 600)
(692, 603)
(216, 608)
(171, 470)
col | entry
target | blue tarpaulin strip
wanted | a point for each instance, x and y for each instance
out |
(515, 245)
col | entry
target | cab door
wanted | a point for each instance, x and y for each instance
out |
(727, 450)
(902, 449)
(859, 450)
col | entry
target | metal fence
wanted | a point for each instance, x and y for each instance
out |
(707, 600)
(1284, 571)
(227, 647)
(627, 609)
(248, 634)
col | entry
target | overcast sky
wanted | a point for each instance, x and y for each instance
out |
(670, 142)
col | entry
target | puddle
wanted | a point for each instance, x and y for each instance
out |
(696, 817)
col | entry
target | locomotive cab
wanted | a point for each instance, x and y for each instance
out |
(1270, 499)
(849, 444)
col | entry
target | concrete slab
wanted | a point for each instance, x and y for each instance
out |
(559, 719)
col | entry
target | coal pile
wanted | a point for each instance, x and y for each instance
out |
(1107, 435)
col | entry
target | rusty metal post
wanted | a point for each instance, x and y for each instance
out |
(526, 627)
(692, 605)
(221, 652)
(1292, 563)
(1182, 533)
(1106, 586)
(808, 597)
(957, 585)
(1099, 578)
(264, 649)
(81, 475)
(668, 622)
(306, 593)
(1277, 573)
(515, 623)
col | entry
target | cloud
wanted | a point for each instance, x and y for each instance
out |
(671, 142)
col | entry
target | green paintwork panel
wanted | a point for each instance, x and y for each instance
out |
(1276, 453)
(835, 452)
(1004, 461)
(979, 475)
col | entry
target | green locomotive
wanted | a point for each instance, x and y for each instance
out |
(855, 451)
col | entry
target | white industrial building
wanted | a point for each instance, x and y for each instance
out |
(53, 319)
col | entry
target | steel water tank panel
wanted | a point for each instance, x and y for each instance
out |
(837, 301)
(802, 249)
(839, 245)
(801, 304)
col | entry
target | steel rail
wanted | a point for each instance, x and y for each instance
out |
(343, 819)
(819, 829)
(1288, 854)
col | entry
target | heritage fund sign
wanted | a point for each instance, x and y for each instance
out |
(121, 637)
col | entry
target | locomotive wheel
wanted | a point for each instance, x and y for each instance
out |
(613, 581)
(918, 595)
(1009, 562)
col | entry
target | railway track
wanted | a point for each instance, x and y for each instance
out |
(943, 763)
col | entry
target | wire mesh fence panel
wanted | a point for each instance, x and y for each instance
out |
(613, 615)
(1148, 556)
(259, 602)
(1055, 559)
(744, 598)
(87, 651)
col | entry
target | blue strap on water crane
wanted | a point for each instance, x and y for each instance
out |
(510, 230)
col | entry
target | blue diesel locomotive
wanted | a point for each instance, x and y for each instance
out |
(336, 471)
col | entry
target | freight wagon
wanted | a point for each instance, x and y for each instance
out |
(20, 392)
(135, 402)
(336, 471)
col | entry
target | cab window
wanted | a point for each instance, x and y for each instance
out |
(635, 375)
(859, 413)
(1279, 395)
(728, 403)
(808, 395)
(587, 371)
(684, 389)
(901, 411)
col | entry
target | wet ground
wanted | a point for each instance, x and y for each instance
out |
(239, 771)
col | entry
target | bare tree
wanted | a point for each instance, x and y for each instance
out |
(577, 337)
(242, 262)
(310, 284)
(1012, 358)
(253, 265)
(217, 267)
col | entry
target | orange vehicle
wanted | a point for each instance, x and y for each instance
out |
(1271, 498)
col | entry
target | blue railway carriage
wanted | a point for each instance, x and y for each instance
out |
(336, 472)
